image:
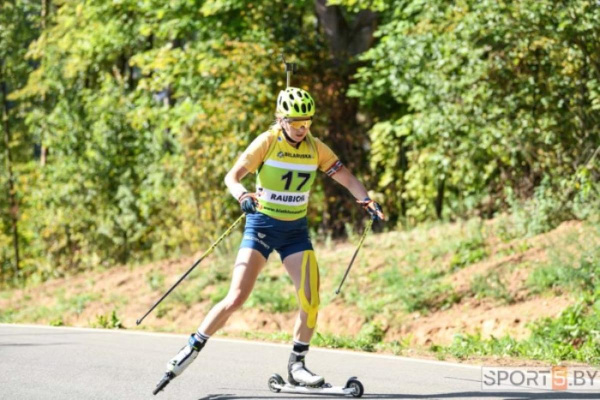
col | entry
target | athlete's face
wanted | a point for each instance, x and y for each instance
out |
(297, 128)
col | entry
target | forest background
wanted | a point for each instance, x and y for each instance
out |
(120, 118)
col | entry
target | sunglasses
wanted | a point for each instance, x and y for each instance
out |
(297, 124)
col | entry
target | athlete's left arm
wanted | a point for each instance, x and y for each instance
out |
(345, 178)
(349, 181)
(333, 167)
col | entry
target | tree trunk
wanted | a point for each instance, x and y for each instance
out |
(346, 38)
(14, 207)
(439, 200)
(44, 149)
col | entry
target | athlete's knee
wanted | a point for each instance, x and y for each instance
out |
(304, 316)
(309, 302)
(234, 300)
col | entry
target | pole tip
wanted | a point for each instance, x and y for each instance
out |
(139, 321)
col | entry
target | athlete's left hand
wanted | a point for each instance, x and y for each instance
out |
(373, 208)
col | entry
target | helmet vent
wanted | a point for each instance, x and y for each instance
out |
(285, 106)
(292, 96)
(296, 108)
(303, 108)
(309, 106)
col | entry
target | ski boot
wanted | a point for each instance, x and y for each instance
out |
(180, 362)
(299, 375)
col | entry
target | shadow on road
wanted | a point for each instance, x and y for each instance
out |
(483, 395)
(475, 395)
(277, 396)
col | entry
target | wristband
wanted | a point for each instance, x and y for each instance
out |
(237, 190)
(239, 199)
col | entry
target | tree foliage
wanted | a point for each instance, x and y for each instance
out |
(472, 98)
(137, 109)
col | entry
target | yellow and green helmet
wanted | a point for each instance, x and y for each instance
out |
(294, 102)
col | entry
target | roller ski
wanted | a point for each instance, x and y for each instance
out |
(180, 362)
(353, 387)
(302, 380)
(163, 382)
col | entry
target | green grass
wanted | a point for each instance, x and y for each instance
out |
(156, 280)
(369, 339)
(162, 310)
(188, 294)
(53, 312)
(415, 264)
(574, 335)
(273, 337)
(79, 302)
(273, 294)
(402, 288)
(215, 273)
(7, 315)
(492, 286)
(468, 251)
(517, 248)
(568, 272)
(32, 313)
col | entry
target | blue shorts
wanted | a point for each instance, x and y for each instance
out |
(266, 234)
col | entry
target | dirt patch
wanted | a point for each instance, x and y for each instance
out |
(483, 316)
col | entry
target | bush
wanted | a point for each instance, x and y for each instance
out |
(111, 321)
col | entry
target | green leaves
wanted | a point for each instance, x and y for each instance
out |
(493, 94)
(144, 105)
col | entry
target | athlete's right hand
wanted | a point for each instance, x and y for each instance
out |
(248, 202)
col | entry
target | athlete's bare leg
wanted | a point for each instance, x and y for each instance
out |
(248, 265)
(293, 265)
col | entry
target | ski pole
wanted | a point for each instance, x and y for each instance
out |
(206, 253)
(362, 239)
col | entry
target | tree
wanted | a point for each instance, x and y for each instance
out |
(17, 28)
(472, 98)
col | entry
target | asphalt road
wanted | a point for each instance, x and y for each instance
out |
(38, 362)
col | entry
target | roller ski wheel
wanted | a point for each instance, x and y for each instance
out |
(163, 382)
(353, 387)
(275, 383)
(357, 388)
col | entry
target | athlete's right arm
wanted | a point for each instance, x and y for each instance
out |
(249, 161)
(233, 178)
(247, 200)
